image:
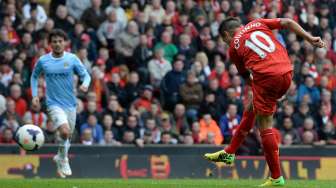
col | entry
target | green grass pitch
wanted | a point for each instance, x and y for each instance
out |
(148, 183)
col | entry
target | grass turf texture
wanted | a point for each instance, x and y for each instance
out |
(148, 183)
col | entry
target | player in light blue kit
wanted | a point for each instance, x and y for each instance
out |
(59, 68)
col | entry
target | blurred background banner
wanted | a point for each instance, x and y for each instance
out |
(166, 162)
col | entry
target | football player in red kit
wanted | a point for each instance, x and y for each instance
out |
(264, 64)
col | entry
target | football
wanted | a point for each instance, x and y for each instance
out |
(29, 137)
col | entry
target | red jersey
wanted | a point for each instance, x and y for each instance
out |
(254, 48)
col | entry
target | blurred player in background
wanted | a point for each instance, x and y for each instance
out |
(59, 67)
(264, 64)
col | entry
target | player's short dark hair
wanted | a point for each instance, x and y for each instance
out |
(229, 24)
(58, 33)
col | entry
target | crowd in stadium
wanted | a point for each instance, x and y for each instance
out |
(160, 72)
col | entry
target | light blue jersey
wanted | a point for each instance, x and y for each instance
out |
(58, 73)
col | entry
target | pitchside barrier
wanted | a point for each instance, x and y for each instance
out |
(162, 162)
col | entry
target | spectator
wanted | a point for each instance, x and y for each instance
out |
(13, 13)
(85, 41)
(220, 99)
(125, 44)
(200, 73)
(128, 137)
(287, 140)
(308, 126)
(93, 16)
(229, 122)
(303, 113)
(168, 126)
(7, 136)
(27, 45)
(87, 138)
(32, 4)
(108, 139)
(308, 138)
(4, 40)
(209, 130)
(155, 10)
(63, 20)
(143, 103)
(109, 30)
(328, 134)
(292, 93)
(36, 117)
(188, 139)
(166, 138)
(170, 85)
(96, 129)
(20, 104)
(142, 54)
(158, 67)
(132, 88)
(309, 88)
(91, 110)
(288, 129)
(169, 48)
(76, 8)
(171, 13)
(12, 34)
(232, 99)
(211, 105)
(184, 25)
(180, 119)
(132, 125)
(192, 95)
(152, 130)
(49, 133)
(47, 28)
(107, 122)
(119, 11)
(185, 47)
(118, 115)
(148, 139)
(114, 87)
(221, 74)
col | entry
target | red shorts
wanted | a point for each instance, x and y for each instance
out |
(267, 90)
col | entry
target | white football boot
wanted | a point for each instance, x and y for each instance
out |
(63, 167)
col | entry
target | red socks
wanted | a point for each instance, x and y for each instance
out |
(271, 152)
(242, 131)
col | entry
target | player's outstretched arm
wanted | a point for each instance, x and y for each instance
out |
(297, 29)
(83, 74)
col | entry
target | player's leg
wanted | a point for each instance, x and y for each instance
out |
(64, 145)
(228, 154)
(243, 130)
(71, 118)
(271, 150)
(266, 93)
(61, 124)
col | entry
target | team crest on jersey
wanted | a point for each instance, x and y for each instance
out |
(66, 64)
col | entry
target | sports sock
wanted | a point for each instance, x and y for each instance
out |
(63, 148)
(271, 152)
(242, 131)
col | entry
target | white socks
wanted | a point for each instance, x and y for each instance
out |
(63, 148)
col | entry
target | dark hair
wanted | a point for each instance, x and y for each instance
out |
(58, 33)
(229, 24)
(165, 132)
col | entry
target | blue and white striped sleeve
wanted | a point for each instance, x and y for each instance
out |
(34, 78)
(82, 72)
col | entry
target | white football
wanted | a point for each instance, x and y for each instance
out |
(30, 137)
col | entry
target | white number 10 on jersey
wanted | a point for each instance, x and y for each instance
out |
(257, 46)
